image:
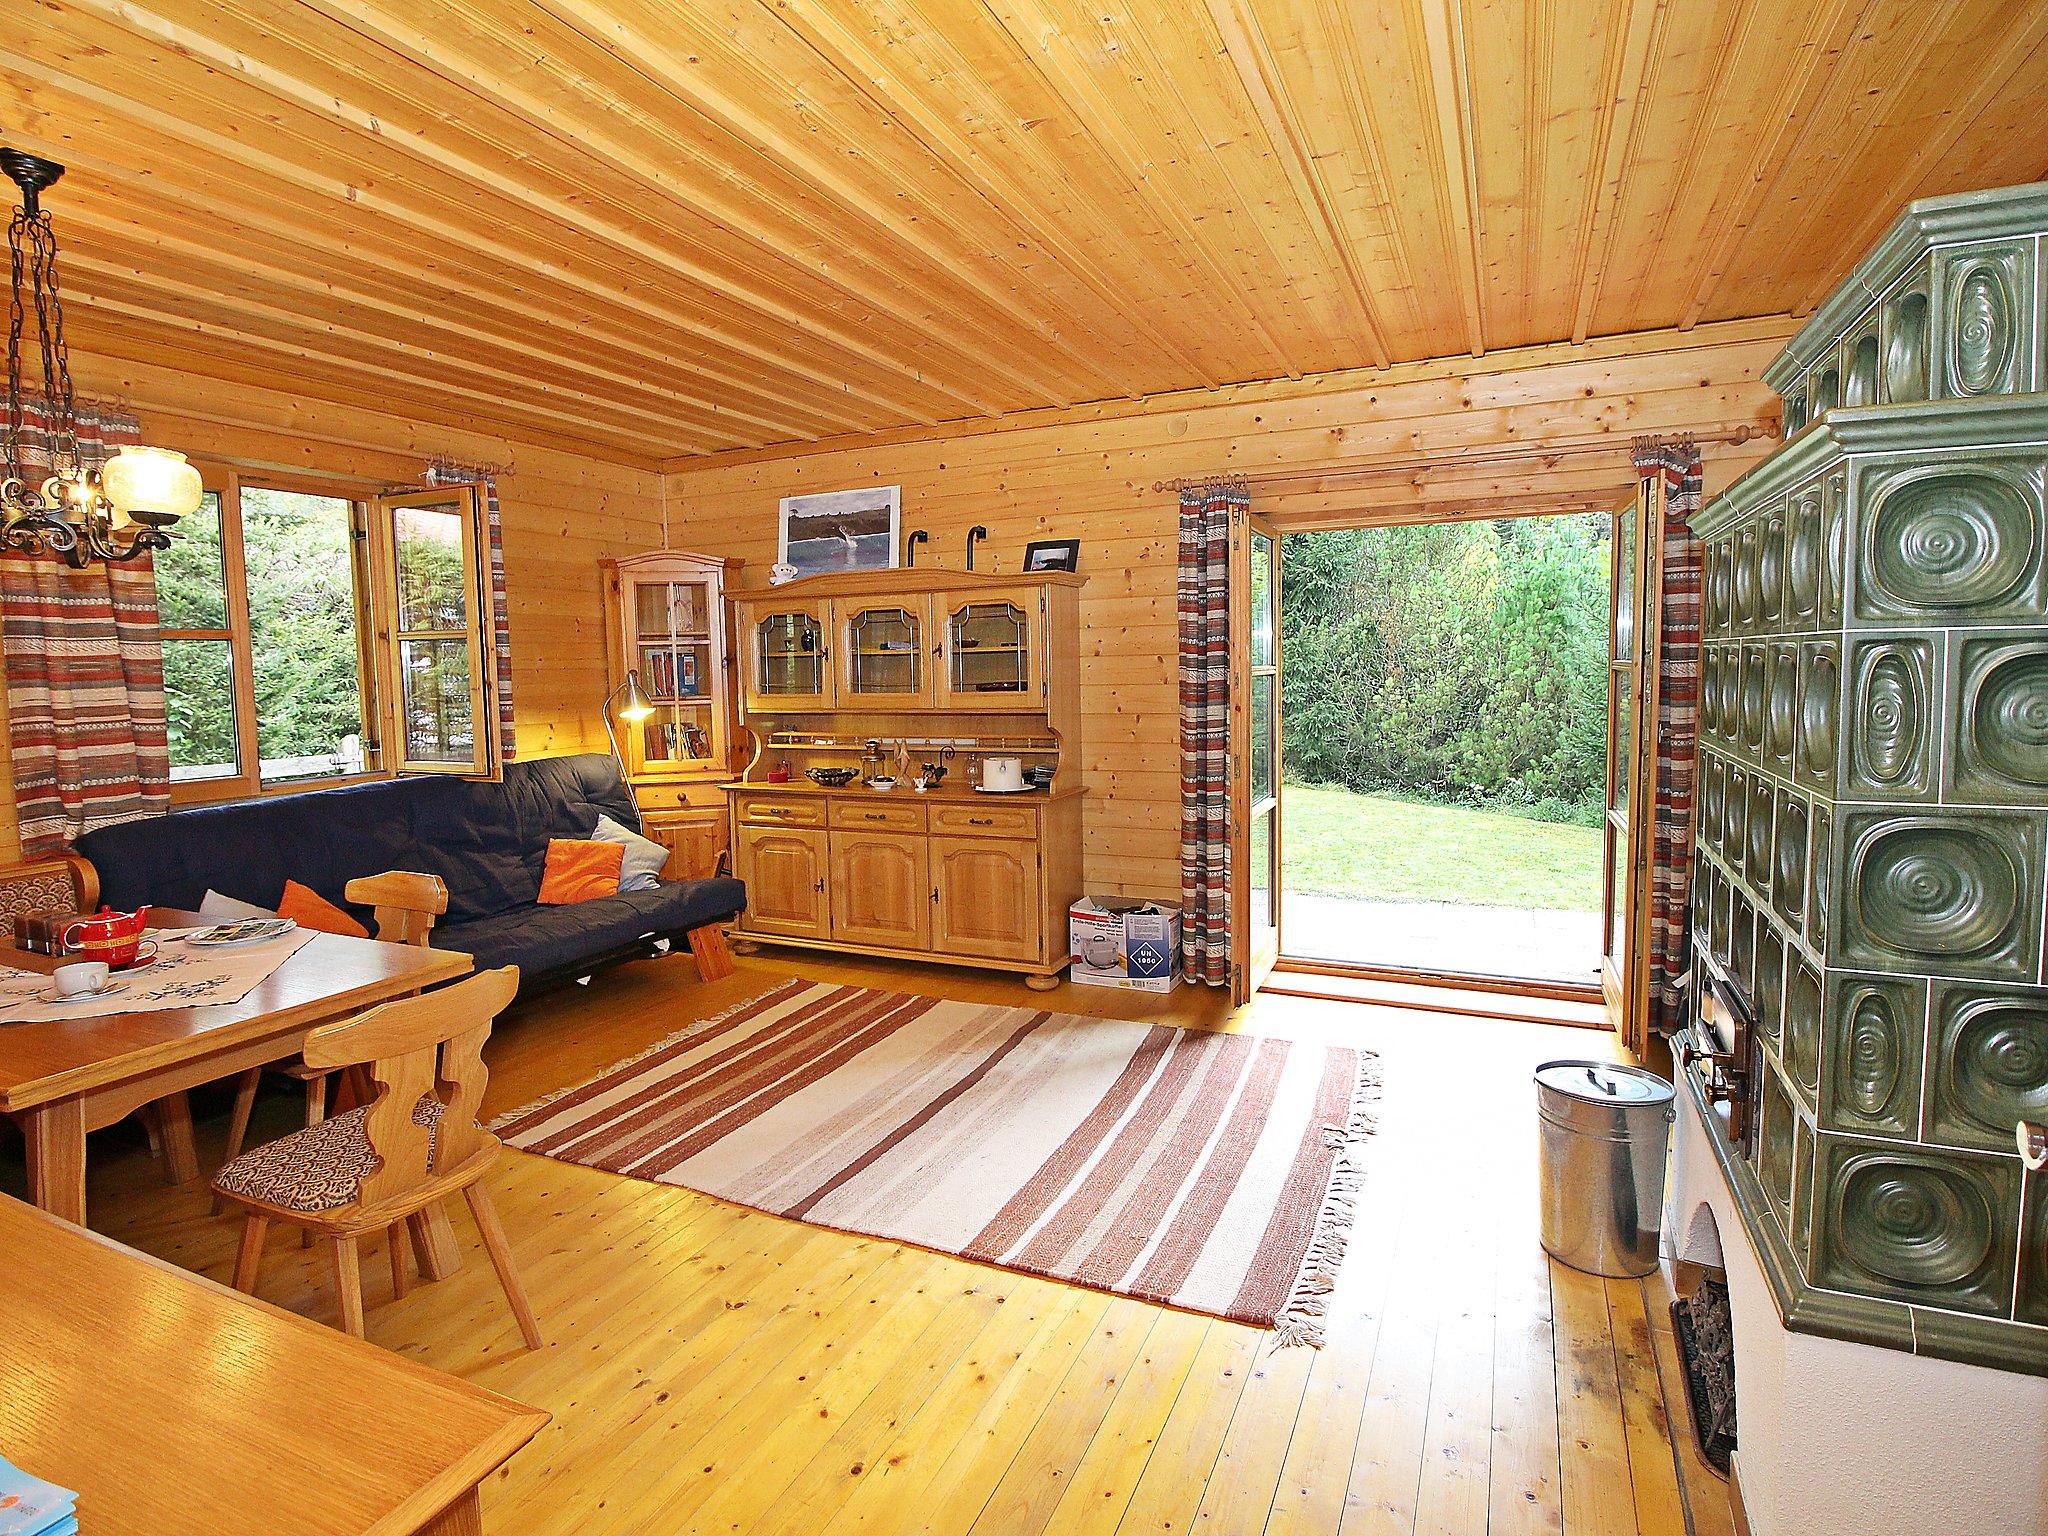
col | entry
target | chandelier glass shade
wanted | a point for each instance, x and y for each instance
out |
(61, 505)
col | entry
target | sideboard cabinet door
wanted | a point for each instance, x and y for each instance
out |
(986, 898)
(784, 868)
(881, 890)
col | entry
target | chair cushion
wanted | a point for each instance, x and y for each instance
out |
(579, 870)
(309, 909)
(319, 1168)
(540, 940)
(645, 859)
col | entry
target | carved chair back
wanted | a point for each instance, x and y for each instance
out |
(58, 882)
(407, 903)
(430, 1044)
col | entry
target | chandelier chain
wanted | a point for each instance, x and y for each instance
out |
(15, 315)
(69, 508)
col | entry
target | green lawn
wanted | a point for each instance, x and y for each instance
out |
(1336, 843)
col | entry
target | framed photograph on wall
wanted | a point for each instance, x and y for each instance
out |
(1052, 555)
(830, 531)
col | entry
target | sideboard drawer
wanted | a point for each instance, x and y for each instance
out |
(780, 811)
(985, 821)
(878, 814)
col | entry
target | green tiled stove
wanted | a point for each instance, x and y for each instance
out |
(1871, 851)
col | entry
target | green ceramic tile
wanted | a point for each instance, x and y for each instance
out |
(1989, 1067)
(1913, 1224)
(1820, 714)
(1954, 892)
(1874, 1039)
(1894, 717)
(1999, 684)
(1949, 541)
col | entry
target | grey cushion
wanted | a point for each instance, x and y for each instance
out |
(645, 858)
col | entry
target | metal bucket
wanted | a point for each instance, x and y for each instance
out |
(1605, 1132)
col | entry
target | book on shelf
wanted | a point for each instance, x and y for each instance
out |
(670, 674)
(31, 1507)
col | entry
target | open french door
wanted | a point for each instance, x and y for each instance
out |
(1254, 753)
(1631, 788)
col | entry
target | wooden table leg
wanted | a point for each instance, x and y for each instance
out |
(433, 1240)
(181, 1155)
(462, 1518)
(56, 1158)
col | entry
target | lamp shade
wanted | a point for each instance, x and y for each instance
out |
(155, 482)
(634, 706)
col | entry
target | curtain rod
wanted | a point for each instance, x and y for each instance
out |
(1412, 462)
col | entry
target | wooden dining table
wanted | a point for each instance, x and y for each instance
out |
(59, 1080)
(173, 1406)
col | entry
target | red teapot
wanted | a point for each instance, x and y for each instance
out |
(115, 937)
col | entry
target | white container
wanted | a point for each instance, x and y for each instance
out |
(1138, 951)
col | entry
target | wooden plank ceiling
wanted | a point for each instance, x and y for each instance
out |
(660, 227)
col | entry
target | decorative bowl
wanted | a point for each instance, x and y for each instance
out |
(832, 778)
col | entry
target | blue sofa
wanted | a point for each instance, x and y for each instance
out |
(487, 842)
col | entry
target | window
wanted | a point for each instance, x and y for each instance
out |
(424, 546)
(309, 637)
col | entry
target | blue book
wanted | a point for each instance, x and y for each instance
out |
(31, 1507)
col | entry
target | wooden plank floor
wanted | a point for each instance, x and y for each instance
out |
(715, 1370)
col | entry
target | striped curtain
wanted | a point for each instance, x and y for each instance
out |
(443, 473)
(85, 671)
(1675, 466)
(1203, 606)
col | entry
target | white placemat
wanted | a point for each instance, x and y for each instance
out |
(183, 976)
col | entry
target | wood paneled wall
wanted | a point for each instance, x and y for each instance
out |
(562, 513)
(1546, 429)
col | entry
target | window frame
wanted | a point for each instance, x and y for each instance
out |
(486, 760)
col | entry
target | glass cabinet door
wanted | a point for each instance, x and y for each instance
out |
(990, 652)
(882, 652)
(674, 650)
(789, 655)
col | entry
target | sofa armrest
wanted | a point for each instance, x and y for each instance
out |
(406, 903)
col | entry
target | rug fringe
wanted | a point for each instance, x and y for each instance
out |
(688, 1032)
(1301, 1319)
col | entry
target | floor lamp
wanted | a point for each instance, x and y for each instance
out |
(633, 710)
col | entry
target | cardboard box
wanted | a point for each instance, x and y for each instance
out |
(1137, 950)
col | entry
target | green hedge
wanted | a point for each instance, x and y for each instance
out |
(1459, 663)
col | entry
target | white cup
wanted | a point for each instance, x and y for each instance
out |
(81, 978)
(1004, 773)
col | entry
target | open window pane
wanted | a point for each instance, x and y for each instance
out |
(303, 633)
(434, 683)
(199, 709)
(433, 583)
(191, 583)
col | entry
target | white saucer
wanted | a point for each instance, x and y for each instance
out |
(112, 987)
(1025, 789)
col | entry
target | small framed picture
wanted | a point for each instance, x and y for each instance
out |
(1052, 555)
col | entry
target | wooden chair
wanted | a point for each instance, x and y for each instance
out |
(64, 882)
(383, 1167)
(406, 906)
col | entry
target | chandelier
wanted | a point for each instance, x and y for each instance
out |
(79, 513)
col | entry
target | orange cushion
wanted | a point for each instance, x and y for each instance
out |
(309, 909)
(579, 870)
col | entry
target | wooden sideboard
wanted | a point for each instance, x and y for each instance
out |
(666, 621)
(934, 666)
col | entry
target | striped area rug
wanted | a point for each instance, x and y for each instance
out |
(1208, 1171)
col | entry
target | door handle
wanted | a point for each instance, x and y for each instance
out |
(2033, 1144)
(981, 821)
(820, 885)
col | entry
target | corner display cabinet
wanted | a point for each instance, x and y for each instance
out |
(666, 620)
(883, 673)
